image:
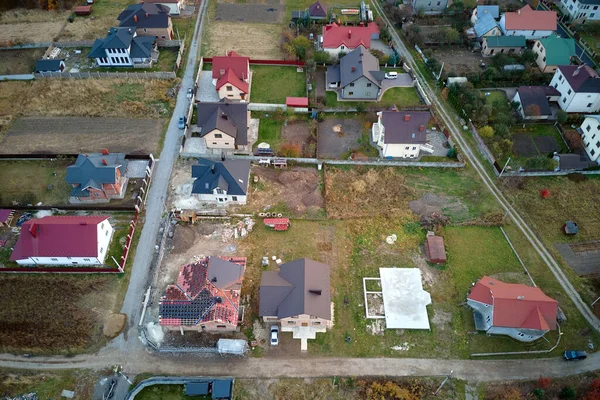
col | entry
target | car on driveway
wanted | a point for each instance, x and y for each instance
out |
(274, 335)
(391, 75)
(571, 355)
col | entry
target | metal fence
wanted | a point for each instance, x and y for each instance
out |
(107, 75)
(42, 45)
(483, 147)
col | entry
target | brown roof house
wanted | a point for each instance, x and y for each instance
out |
(298, 297)
(148, 20)
(401, 134)
(224, 125)
(534, 101)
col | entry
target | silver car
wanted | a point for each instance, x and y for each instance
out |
(274, 335)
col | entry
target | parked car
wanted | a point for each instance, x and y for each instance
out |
(274, 335)
(190, 93)
(181, 123)
(391, 75)
(571, 355)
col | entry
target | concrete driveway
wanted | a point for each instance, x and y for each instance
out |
(403, 80)
(377, 44)
(206, 90)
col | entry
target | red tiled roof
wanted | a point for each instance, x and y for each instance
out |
(232, 65)
(516, 305)
(65, 236)
(229, 77)
(528, 19)
(335, 35)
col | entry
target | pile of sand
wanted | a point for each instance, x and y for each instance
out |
(113, 325)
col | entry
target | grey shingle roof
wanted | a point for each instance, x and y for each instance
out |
(89, 170)
(223, 273)
(300, 287)
(226, 116)
(400, 131)
(141, 47)
(364, 64)
(211, 174)
(148, 16)
(123, 38)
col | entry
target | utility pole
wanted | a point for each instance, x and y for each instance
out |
(443, 383)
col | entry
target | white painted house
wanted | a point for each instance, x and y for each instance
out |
(590, 135)
(580, 10)
(221, 182)
(527, 22)
(122, 48)
(63, 240)
(579, 88)
(401, 134)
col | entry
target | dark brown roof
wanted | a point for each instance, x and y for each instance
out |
(317, 10)
(300, 287)
(405, 127)
(229, 117)
(582, 78)
(536, 95)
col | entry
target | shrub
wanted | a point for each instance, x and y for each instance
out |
(577, 177)
(541, 163)
(486, 132)
(538, 394)
(567, 393)
(290, 150)
(561, 116)
(452, 153)
(321, 57)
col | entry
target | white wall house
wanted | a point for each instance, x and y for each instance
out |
(581, 10)
(122, 48)
(579, 88)
(400, 134)
(529, 23)
(70, 241)
(590, 136)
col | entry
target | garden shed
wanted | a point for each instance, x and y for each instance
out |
(436, 252)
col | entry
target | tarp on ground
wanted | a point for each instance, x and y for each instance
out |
(232, 346)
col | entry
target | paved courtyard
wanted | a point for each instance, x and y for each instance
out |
(206, 90)
(439, 143)
(337, 136)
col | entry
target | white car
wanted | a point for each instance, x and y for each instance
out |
(190, 93)
(274, 335)
(391, 75)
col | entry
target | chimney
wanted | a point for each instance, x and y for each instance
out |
(33, 229)
(87, 155)
(147, 15)
(349, 33)
(317, 292)
(353, 68)
(135, 18)
(224, 116)
(520, 297)
(212, 168)
(104, 161)
(407, 117)
(105, 151)
(83, 223)
(519, 12)
(129, 30)
(421, 128)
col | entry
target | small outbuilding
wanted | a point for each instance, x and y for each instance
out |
(436, 252)
(570, 228)
(83, 10)
(278, 224)
(296, 102)
(56, 65)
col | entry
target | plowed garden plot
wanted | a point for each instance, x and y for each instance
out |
(256, 13)
(296, 191)
(297, 134)
(71, 135)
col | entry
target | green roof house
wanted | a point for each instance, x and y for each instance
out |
(493, 45)
(553, 51)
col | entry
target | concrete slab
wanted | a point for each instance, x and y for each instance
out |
(206, 90)
(404, 299)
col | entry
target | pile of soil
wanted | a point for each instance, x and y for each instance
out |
(183, 238)
(431, 203)
(113, 325)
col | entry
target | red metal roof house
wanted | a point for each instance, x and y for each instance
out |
(522, 312)
(64, 240)
(231, 76)
(533, 24)
(206, 296)
(336, 38)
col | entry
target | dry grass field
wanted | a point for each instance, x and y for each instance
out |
(71, 135)
(19, 61)
(88, 29)
(87, 97)
(31, 32)
(259, 41)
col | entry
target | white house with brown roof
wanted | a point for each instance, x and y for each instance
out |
(522, 312)
(298, 297)
(532, 24)
(579, 88)
(400, 134)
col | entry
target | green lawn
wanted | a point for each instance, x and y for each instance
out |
(165, 392)
(269, 130)
(30, 182)
(399, 96)
(272, 84)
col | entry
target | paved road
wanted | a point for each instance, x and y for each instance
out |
(140, 276)
(490, 184)
(308, 367)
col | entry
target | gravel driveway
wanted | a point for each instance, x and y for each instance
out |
(206, 90)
